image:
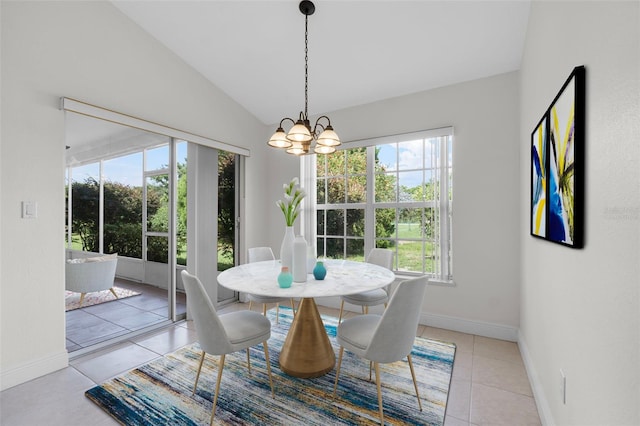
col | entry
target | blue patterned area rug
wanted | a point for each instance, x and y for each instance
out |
(160, 392)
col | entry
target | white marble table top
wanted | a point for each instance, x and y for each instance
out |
(343, 277)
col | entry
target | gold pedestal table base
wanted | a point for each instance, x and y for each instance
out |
(307, 351)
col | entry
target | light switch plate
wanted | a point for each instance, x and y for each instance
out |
(29, 209)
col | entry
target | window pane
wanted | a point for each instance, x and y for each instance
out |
(158, 249)
(430, 256)
(385, 223)
(387, 157)
(123, 206)
(226, 210)
(357, 189)
(385, 187)
(335, 222)
(321, 191)
(320, 247)
(85, 207)
(411, 155)
(410, 186)
(335, 248)
(181, 232)
(335, 188)
(355, 222)
(320, 214)
(335, 163)
(410, 256)
(410, 223)
(356, 161)
(320, 166)
(430, 225)
(355, 249)
(158, 203)
(157, 158)
(431, 186)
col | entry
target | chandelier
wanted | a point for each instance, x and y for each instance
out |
(301, 136)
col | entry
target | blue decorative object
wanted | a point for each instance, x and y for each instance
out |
(319, 272)
(285, 278)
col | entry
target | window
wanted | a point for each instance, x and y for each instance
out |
(393, 192)
(123, 205)
(110, 197)
(85, 205)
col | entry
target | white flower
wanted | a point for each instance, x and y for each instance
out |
(293, 196)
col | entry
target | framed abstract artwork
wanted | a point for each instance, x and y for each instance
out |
(557, 167)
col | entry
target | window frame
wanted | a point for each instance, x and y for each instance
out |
(443, 272)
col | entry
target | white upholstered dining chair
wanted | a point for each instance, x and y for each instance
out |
(259, 254)
(224, 334)
(388, 337)
(377, 256)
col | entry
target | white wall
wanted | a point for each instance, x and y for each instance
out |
(486, 223)
(580, 308)
(91, 52)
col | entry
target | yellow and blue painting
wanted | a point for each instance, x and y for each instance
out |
(561, 167)
(556, 160)
(539, 179)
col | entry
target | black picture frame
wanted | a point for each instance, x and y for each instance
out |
(557, 167)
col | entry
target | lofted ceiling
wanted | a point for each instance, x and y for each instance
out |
(359, 51)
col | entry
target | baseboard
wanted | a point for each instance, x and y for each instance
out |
(33, 369)
(544, 411)
(479, 328)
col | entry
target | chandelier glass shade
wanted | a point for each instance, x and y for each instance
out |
(302, 138)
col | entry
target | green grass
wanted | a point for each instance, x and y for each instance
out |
(409, 230)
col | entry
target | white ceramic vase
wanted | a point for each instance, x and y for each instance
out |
(311, 258)
(286, 249)
(299, 259)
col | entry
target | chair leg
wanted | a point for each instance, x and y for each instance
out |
(335, 386)
(370, 368)
(415, 384)
(195, 386)
(264, 309)
(266, 358)
(215, 396)
(341, 309)
(82, 297)
(377, 368)
(293, 307)
(248, 361)
(278, 313)
(250, 304)
(114, 292)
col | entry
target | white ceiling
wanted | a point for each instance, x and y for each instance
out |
(359, 51)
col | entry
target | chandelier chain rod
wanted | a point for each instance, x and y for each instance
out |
(306, 65)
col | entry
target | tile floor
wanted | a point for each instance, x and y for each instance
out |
(489, 384)
(99, 323)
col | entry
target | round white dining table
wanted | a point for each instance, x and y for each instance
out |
(307, 351)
